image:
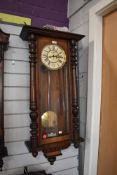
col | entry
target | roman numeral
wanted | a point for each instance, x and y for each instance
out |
(46, 59)
(60, 61)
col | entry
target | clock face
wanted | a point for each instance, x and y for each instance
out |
(53, 56)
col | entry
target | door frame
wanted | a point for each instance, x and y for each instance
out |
(96, 14)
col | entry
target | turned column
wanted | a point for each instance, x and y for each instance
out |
(4, 40)
(33, 101)
(75, 94)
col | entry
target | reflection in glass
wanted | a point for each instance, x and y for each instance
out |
(49, 124)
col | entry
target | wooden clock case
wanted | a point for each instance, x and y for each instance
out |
(4, 40)
(64, 90)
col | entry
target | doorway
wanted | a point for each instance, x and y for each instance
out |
(96, 14)
(107, 161)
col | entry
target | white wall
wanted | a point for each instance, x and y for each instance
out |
(78, 14)
(16, 114)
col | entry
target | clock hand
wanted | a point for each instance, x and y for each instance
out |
(52, 56)
(58, 56)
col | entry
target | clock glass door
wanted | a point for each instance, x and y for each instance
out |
(54, 92)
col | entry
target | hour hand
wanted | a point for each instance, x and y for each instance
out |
(53, 56)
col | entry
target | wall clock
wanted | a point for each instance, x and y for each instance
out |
(4, 39)
(54, 102)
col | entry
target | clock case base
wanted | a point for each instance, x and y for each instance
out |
(55, 150)
(52, 148)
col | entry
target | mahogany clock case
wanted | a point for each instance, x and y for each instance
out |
(4, 40)
(54, 101)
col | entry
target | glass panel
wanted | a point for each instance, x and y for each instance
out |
(54, 93)
(49, 123)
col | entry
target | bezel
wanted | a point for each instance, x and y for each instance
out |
(49, 64)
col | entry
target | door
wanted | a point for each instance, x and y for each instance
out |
(107, 162)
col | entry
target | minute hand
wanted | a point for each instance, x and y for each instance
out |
(58, 56)
(52, 56)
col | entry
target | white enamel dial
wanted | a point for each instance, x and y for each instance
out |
(53, 56)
